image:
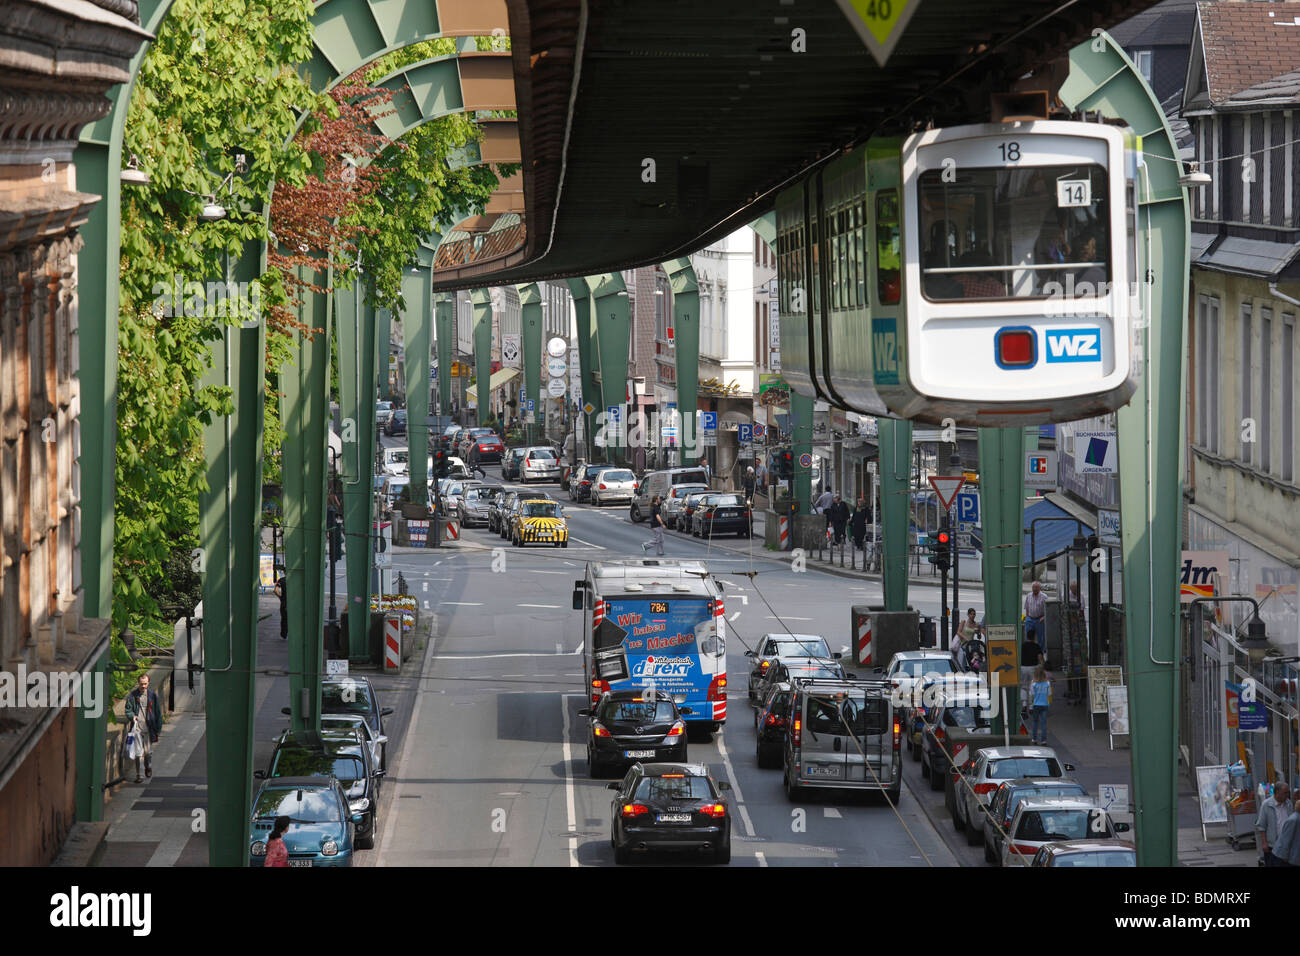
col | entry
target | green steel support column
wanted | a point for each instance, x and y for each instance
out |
(98, 161)
(230, 514)
(417, 323)
(613, 323)
(1152, 430)
(1002, 498)
(357, 332)
(531, 323)
(686, 352)
(801, 422)
(588, 358)
(895, 497)
(446, 307)
(382, 353)
(305, 412)
(482, 300)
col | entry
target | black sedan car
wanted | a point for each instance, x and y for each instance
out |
(670, 806)
(397, 424)
(355, 695)
(630, 725)
(721, 514)
(580, 483)
(501, 505)
(770, 722)
(333, 753)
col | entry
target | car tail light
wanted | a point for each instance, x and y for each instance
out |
(633, 810)
(715, 809)
(676, 729)
(602, 486)
(599, 730)
(718, 688)
(765, 665)
(897, 733)
(939, 734)
(796, 732)
(598, 687)
(985, 787)
(774, 721)
(747, 514)
(1022, 849)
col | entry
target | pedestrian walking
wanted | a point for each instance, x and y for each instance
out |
(858, 524)
(1031, 657)
(748, 483)
(475, 465)
(1287, 849)
(708, 472)
(1036, 613)
(838, 515)
(143, 725)
(281, 591)
(277, 854)
(760, 476)
(656, 527)
(1272, 815)
(1041, 690)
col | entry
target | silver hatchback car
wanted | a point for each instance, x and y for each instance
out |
(539, 463)
(613, 485)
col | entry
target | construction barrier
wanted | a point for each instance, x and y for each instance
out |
(451, 530)
(784, 541)
(392, 643)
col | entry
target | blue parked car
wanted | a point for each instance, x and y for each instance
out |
(323, 826)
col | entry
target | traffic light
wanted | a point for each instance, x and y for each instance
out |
(441, 467)
(942, 550)
(785, 465)
(334, 529)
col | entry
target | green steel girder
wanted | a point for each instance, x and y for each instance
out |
(686, 351)
(445, 308)
(611, 318)
(1152, 429)
(895, 439)
(588, 357)
(230, 525)
(481, 299)
(385, 319)
(531, 322)
(1002, 498)
(354, 317)
(417, 323)
(305, 414)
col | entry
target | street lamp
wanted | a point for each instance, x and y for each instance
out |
(1255, 643)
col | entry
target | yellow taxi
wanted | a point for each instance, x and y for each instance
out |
(540, 521)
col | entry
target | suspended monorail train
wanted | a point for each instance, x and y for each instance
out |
(980, 273)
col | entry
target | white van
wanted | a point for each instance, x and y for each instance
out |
(660, 483)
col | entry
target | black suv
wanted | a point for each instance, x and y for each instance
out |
(670, 806)
(770, 723)
(356, 695)
(332, 753)
(631, 725)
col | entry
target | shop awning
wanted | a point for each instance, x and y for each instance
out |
(1049, 531)
(499, 378)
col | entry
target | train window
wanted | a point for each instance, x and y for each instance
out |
(888, 284)
(1028, 232)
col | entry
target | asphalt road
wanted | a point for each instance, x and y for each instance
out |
(489, 768)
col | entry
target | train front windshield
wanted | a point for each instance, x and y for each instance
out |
(1018, 232)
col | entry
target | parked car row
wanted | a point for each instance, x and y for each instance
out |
(1019, 802)
(326, 783)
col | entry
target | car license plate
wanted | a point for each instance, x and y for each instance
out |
(545, 534)
(300, 862)
(674, 818)
(633, 754)
(815, 771)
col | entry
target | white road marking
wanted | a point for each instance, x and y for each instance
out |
(568, 783)
(407, 745)
(490, 657)
(732, 618)
(559, 648)
(762, 860)
(830, 813)
(588, 544)
(540, 571)
(578, 649)
(773, 617)
(735, 785)
(426, 585)
(480, 604)
(553, 607)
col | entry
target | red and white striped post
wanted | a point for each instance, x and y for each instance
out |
(784, 543)
(392, 643)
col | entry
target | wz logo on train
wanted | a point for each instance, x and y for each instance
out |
(663, 667)
(1074, 345)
